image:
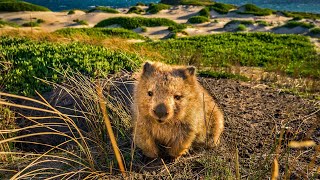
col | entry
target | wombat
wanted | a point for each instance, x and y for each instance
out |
(171, 109)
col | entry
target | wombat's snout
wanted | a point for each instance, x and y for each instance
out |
(161, 111)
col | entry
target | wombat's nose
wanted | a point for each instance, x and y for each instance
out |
(161, 110)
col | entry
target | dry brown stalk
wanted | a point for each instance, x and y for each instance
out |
(107, 122)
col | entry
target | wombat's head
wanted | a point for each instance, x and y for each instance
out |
(165, 91)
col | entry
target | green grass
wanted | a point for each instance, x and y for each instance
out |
(30, 24)
(205, 12)
(136, 10)
(301, 15)
(155, 8)
(255, 10)
(6, 23)
(198, 19)
(293, 24)
(45, 60)
(135, 22)
(99, 32)
(221, 75)
(16, 5)
(222, 8)
(104, 9)
(292, 54)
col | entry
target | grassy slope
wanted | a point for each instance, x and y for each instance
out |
(16, 5)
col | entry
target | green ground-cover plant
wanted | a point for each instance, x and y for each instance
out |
(292, 54)
(293, 24)
(100, 32)
(32, 59)
(155, 8)
(135, 22)
(103, 9)
(16, 5)
(240, 22)
(39, 21)
(80, 22)
(205, 12)
(315, 31)
(263, 23)
(71, 12)
(222, 8)
(255, 10)
(6, 23)
(241, 27)
(221, 75)
(198, 19)
(136, 10)
(301, 15)
(30, 24)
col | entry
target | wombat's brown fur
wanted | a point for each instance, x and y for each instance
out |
(173, 110)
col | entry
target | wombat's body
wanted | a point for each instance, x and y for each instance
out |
(173, 110)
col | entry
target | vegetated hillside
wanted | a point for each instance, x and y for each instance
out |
(292, 54)
(17, 5)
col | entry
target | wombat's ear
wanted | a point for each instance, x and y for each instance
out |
(191, 70)
(147, 68)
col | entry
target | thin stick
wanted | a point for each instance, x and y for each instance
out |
(165, 166)
(237, 164)
(102, 103)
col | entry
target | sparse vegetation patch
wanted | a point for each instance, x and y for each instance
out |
(293, 24)
(198, 19)
(135, 22)
(301, 15)
(136, 10)
(222, 8)
(104, 9)
(155, 8)
(255, 10)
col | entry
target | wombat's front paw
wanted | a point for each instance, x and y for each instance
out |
(151, 154)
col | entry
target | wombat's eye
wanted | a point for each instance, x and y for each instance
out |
(150, 93)
(177, 97)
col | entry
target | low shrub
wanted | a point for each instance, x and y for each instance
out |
(315, 31)
(255, 10)
(293, 24)
(198, 19)
(71, 12)
(205, 12)
(196, 2)
(136, 10)
(39, 21)
(155, 8)
(243, 22)
(304, 15)
(222, 8)
(241, 27)
(5, 23)
(104, 9)
(15, 6)
(263, 23)
(135, 22)
(30, 24)
(81, 22)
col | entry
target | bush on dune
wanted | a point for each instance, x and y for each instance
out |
(104, 9)
(198, 19)
(15, 6)
(155, 8)
(255, 10)
(222, 8)
(135, 22)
